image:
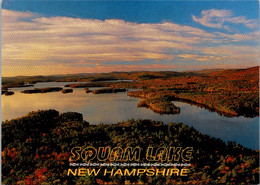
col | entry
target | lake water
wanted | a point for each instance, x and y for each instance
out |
(112, 108)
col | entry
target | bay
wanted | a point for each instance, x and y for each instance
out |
(113, 108)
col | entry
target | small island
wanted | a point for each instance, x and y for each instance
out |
(64, 91)
(84, 85)
(87, 90)
(8, 93)
(108, 90)
(42, 90)
(16, 85)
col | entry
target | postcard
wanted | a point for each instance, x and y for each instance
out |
(130, 92)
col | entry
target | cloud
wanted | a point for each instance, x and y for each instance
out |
(242, 20)
(200, 57)
(217, 18)
(240, 37)
(56, 38)
(212, 18)
(60, 43)
(241, 55)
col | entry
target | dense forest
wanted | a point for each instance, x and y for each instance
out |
(36, 150)
(233, 92)
(228, 92)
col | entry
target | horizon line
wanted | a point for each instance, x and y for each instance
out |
(65, 74)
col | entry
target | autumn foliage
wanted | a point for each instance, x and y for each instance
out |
(36, 149)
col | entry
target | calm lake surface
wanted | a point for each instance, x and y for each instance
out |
(112, 108)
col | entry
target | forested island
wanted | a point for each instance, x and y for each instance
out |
(8, 93)
(64, 91)
(109, 90)
(233, 92)
(36, 150)
(42, 90)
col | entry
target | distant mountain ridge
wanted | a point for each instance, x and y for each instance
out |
(135, 75)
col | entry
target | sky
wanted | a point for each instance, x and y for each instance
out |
(68, 37)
